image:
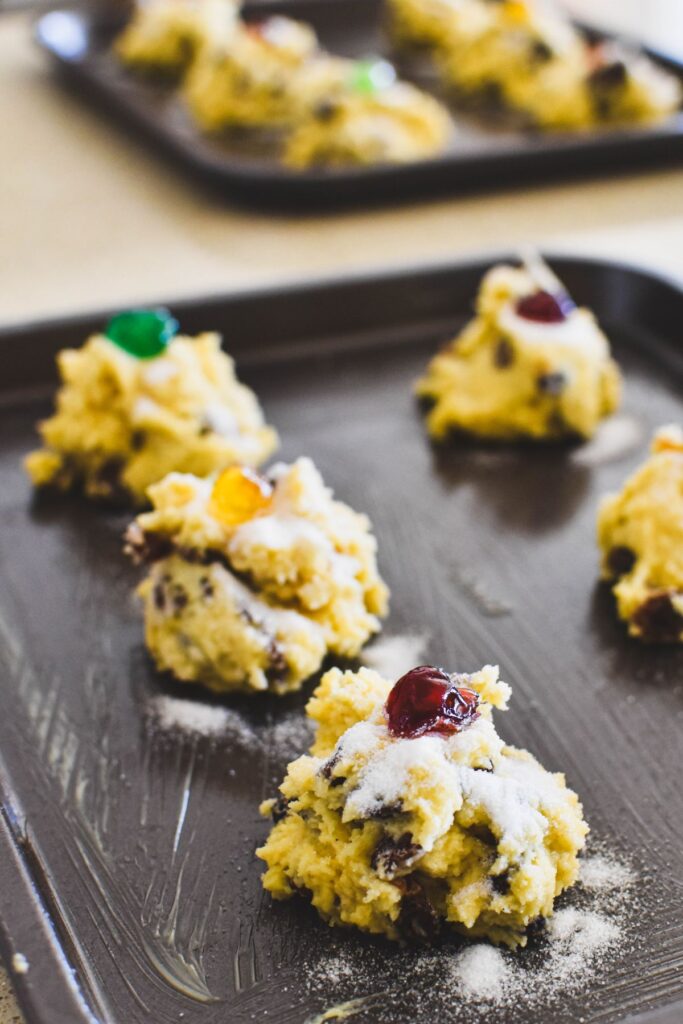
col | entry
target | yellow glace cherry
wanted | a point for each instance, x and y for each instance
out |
(238, 495)
(668, 439)
(517, 11)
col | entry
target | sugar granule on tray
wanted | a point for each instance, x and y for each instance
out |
(391, 656)
(190, 716)
(600, 873)
(481, 973)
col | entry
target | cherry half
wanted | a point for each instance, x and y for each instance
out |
(544, 307)
(427, 700)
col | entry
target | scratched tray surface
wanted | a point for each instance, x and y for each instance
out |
(138, 842)
(490, 150)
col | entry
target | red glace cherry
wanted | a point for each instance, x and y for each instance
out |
(427, 699)
(544, 307)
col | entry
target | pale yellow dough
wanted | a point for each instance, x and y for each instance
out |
(256, 605)
(253, 79)
(165, 36)
(399, 836)
(506, 377)
(640, 533)
(395, 124)
(528, 57)
(123, 423)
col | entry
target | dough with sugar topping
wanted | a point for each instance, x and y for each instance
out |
(529, 365)
(410, 813)
(124, 421)
(165, 36)
(254, 579)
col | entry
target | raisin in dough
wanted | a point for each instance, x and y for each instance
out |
(640, 533)
(253, 580)
(165, 36)
(530, 364)
(400, 833)
(123, 422)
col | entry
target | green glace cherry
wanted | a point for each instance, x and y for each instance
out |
(370, 76)
(143, 333)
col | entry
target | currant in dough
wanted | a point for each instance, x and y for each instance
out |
(640, 533)
(410, 813)
(254, 579)
(131, 410)
(530, 364)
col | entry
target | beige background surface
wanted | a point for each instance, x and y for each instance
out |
(87, 218)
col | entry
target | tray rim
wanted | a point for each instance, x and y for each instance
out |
(269, 182)
(52, 991)
(372, 276)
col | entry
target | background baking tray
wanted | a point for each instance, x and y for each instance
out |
(490, 154)
(127, 869)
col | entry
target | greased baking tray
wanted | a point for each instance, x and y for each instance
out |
(487, 153)
(128, 879)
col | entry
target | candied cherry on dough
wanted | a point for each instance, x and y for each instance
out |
(369, 77)
(544, 307)
(239, 494)
(143, 333)
(517, 11)
(427, 699)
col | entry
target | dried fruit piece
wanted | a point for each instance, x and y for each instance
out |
(621, 560)
(553, 383)
(427, 699)
(238, 495)
(503, 354)
(658, 620)
(545, 308)
(143, 333)
(392, 855)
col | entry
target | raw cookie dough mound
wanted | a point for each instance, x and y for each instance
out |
(433, 24)
(251, 80)
(627, 87)
(640, 533)
(499, 48)
(530, 364)
(139, 401)
(411, 813)
(254, 579)
(368, 117)
(165, 36)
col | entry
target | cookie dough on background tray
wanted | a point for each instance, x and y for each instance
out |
(530, 364)
(640, 533)
(254, 579)
(252, 79)
(410, 813)
(272, 74)
(165, 36)
(141, 400)
(527, 56)
(368, 117)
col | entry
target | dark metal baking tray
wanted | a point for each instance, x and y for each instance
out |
(127, 869)
(481, 155)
